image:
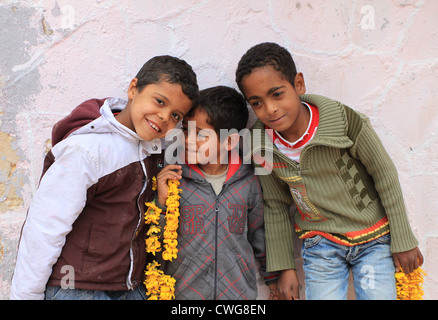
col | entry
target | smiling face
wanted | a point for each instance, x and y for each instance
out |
(155, 110)
(276, 102)
(202, 144)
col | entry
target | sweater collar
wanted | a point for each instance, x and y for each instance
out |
(333, 120)
(332, 127)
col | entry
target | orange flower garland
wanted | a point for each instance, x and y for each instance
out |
(160, 286)
(410, 286)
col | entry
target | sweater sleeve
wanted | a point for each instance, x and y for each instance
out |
(278, 224)
(59, 200)
(256, 230)
(371, 152)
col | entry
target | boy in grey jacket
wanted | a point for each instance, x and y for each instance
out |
(221, 231)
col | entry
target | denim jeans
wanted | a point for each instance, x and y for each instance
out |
(327, 267)
(58, 293)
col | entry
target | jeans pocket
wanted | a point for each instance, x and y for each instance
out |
(310, 242)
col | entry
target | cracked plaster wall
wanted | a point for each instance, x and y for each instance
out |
(378, 56)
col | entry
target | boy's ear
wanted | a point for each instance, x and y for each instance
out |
(132, 88)
(300, 86)
(231, 141)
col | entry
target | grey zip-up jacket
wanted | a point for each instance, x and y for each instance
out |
(219, 237)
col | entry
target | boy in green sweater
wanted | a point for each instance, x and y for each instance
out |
(327, 159)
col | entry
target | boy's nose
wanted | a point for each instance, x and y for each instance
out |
(164, 116)
(190, 139)
(271, 107)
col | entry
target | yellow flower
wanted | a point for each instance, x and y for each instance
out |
(168, 288)
(153, 244)
(410, 286)
(159, 285)
(169, 255)
(170, 243)
(170, 234)
(170, 229)
(154, 183)
(153, 278)
(152, 215)
(154, 229)
(153, 266)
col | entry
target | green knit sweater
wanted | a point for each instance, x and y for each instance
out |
(345, 187)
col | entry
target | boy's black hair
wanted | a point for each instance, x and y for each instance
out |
(225, 107)
(266, 54)
(170, 69)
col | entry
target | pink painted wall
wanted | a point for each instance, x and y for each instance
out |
(378, 56)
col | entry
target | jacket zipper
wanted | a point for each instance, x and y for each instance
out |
(216, 211)
(131, 251)
(216, 235)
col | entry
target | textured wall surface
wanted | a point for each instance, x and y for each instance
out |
(378, 56)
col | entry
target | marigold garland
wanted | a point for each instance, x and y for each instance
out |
(410, 286)
(172, 221)
(160, 286)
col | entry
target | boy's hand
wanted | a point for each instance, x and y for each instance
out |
(273, 292)
(288, 286)
(408, 260)
(169, 172)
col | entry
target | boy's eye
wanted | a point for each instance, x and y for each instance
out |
(277, 94)
(176, 116)
(255, 104)
(159, 101)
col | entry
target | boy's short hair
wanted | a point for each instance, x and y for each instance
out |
(169, 69)
(266, 54)
(225, 107)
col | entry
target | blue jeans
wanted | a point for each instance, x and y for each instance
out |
(327, 267)
(58, 293)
